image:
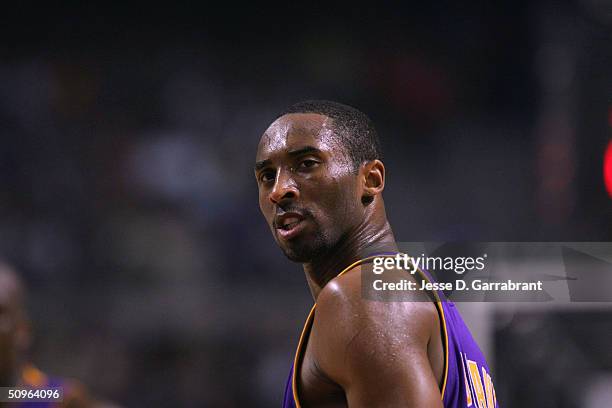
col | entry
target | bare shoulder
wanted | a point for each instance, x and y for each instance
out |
(342, 300)
(350, 329)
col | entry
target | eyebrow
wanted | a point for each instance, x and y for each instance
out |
(304, 150)
(261, 164)
(297, 152)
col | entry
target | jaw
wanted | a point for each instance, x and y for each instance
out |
(295, 251)
(302, 249)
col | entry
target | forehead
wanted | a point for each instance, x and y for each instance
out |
(296, 130)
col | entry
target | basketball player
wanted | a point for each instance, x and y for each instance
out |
(320, 179)
(15, 369)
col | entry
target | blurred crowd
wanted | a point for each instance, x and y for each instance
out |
(127, 198)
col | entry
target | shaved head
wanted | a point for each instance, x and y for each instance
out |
(350, 127)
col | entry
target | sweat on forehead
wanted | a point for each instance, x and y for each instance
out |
(295, 129)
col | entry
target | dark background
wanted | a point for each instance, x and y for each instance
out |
(129, 206)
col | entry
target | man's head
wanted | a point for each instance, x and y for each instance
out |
(14, 326)
(318, 170)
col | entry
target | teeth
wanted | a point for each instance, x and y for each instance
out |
(289, 222)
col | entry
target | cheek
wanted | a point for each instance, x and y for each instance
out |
(264, 208)
(261, 206)
(264, 204)
(339, 201)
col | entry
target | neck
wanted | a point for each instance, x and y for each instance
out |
(373, 235)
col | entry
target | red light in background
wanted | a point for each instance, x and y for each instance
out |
(607, 168)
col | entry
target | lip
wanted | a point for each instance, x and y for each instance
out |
(289, 224)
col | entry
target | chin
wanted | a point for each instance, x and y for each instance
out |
(299, 258)
(297, 254)
(302, 253)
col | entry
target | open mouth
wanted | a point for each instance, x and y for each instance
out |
(289, 224)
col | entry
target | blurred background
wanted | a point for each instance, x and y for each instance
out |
(128, 202)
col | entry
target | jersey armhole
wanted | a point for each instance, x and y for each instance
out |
(440, 309)
(308, 325)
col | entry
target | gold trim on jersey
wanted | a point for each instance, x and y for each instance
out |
(308, 326)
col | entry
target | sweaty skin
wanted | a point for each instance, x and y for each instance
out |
(326, 214)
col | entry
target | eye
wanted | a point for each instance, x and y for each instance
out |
(266, 176)
(308, 163)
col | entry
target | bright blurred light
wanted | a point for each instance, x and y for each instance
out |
(608, 168)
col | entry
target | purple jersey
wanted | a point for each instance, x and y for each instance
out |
(467, 378)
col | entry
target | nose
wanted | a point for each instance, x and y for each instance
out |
(284, 188)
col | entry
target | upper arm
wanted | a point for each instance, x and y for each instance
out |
(376, 351)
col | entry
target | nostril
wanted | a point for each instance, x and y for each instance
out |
(277, 196)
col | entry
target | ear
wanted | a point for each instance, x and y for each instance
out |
(372, 175)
